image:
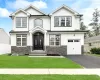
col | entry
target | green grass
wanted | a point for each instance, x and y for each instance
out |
(36, 62)
(93, 54)
(49, 77)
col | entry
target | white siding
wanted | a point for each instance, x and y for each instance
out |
(65, 37)
(33, 11)
(20, 14)
(47, 39)
(64, 12)
(4, 38)
(13, 39)
(46, 22)
(5, 48)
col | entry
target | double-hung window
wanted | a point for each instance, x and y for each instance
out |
(54, 40)
(21, 40)
(21, 22)
(63, 21)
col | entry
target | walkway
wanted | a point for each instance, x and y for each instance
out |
(51, 71)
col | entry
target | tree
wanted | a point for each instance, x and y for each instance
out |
(82, 27)
(90, 34)
(95, 22)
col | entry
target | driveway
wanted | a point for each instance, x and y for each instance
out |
(87, 61)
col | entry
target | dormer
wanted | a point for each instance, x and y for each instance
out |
(65, 18)
(20, 20)
(33, 10)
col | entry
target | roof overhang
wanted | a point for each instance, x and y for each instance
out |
(74, 31)
(21, 32)
(66, 7)
(31, 6)
(20, 10)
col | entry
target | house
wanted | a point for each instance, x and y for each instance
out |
(5, 46)
(35, 32)
(91, 42)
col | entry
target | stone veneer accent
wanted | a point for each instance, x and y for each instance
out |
(60, 50)
(21, 50)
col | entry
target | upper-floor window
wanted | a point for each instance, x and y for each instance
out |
(63, 21)
(21, 22)
(38, 22)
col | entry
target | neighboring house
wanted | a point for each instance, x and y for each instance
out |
(56, 33)
(92, 42)
(5, 46)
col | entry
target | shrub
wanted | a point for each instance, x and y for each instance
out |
(95, 50)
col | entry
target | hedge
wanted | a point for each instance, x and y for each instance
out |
(95, 50)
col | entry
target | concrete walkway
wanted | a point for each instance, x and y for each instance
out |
(51, 71)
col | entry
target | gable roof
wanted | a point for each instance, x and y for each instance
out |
(20, 10)
(66, 7)
(31, 6)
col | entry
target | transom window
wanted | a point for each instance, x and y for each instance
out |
(54, 40)
(38, 22)
(63, 21)
(21, 22)
(21, 39)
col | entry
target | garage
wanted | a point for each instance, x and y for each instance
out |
(74, 47)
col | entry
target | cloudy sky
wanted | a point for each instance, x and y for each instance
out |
(85, 7)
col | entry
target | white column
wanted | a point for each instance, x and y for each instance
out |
(45, 41)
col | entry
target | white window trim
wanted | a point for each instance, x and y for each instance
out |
(54, 35)
(59, 17)
(21, 22)
(21, 41)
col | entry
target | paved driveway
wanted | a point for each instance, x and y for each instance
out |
(87, 61)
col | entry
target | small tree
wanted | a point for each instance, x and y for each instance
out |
(90, 34)
(95, 22)
(82, 27)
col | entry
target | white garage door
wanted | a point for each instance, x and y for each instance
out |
(74, 47)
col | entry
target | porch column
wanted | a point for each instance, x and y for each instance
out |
(45, 40)
(31, 41)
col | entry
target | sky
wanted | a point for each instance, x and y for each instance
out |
(85, 7)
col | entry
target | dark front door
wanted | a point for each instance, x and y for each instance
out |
(38, 39)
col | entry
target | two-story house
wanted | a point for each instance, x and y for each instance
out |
(35, 32)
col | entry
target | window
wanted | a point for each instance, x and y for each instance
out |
(38, 22)
(21, 22)
(21, 40)
(62, 21)
(56, 21)
(70, 40)
(73, 40)
(76, 40)
(54, 40)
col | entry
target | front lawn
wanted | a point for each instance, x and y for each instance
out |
(49, 77)
(36, 62)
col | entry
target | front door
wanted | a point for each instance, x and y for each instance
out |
(38, 41)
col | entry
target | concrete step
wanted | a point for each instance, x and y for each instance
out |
(38, 53)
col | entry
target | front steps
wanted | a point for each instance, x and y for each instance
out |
(38, 53)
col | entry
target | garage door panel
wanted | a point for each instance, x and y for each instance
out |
(74, 47)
